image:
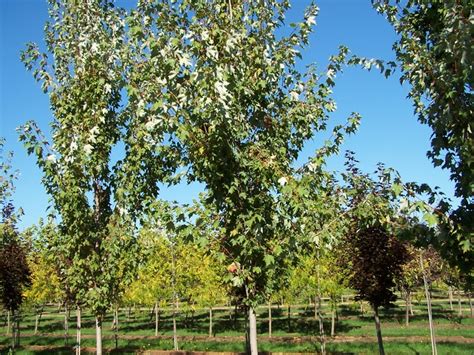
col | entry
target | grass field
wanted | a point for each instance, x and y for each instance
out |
(295, 333)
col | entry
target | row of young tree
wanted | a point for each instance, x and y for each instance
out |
(208, 92)
(365, 246)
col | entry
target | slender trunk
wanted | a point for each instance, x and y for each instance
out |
(289, 318)
(66, 326)
(459, 304)
(16, 320)
(13, 330)
(434, 350)
(98, 335)
(36, 323)
(269, 319)
(450, 295)
(321, 328)
(78, 330)
(175, 336)
(252, 331)
(157, 319)
(175, 297)
(320, 316)
(210, 322)
(114, 320)
(151, 315)
(379, 331)
(316, 307)
(411, 307)
(470, 302)
(8, 322)
(333, 322)
(116, 326)
(407, 308)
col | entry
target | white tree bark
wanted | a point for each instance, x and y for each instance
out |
(210, 321)
(434, 350)
(459, 304)
(450, 295)
(78, 330)
(98, 335)
(157, 319)
(269, 319)
(8, 323)
(253, 331)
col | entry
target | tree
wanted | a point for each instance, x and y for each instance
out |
(434, 50)
(371, 256)
(244, 113)
(14, 270)
(45, 283)
(375, 258)
(409, 279)
(434, 53)
(97, 194)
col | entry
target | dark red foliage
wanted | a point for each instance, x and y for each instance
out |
(14, 270)
(371, 259)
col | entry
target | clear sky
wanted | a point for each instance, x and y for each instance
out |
(389, 131)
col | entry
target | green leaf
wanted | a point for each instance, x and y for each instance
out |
(430, 219)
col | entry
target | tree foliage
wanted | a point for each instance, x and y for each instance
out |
(434, 50)
(435, 55)
(14, 270)
(97, 196)
(373, 260)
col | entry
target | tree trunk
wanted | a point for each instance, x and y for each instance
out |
(333, 322)
(289, 318)
(407, 308)
(234, 324)
(459, 304)
(470, 302)
(315, 307)
(18, 329)
(66, 326)
(379, 331)
(8, 322)
(450, 295)
(252, 331)
(78, 330)
(269, 319)
(321, 328)
(175, 336)
(13, 330)
(36, 323)
(210, 322)
(175, 296)
(411, 307)
(434, 350)
(116, 326)
(98, 335)
(157, 319)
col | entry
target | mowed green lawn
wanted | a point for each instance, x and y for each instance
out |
(295, 333)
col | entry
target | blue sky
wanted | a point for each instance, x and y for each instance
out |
(389, 131)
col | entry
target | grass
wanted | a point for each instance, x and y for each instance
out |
(228, 323)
